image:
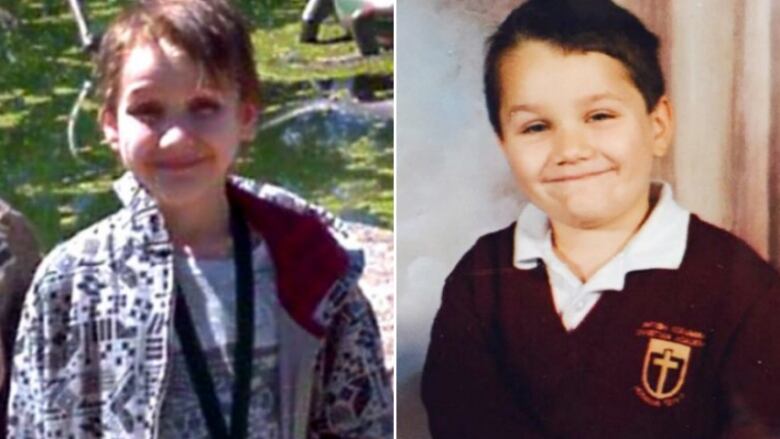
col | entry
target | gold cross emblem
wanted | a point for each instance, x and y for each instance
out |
(665, 366)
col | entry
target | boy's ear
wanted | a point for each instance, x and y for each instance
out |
(247, 117)
(662, 119)
(110, 130)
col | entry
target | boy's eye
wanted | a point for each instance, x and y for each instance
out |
(534, 128)
(147, 112)
(600, 116)
(205, 106)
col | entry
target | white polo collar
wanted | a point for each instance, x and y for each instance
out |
(659, 244)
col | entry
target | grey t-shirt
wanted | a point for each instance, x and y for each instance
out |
(209, 286)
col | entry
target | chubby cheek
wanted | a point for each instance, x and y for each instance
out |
(628, 146)
(136, 141)
(221, 130)
(223, 135)
(527, 165)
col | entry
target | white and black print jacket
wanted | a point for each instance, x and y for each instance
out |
(96, 330)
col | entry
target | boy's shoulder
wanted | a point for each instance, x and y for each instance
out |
(137, 223)
(715, 252)
(88, 247)
(317, 261)
(292, 208)
(709, 249)
(490, 254)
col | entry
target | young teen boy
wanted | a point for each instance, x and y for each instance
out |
(606, 310)
(208, 305)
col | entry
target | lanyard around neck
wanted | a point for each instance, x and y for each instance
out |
(194, 356)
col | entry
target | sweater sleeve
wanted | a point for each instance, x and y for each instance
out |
(751, 373)
(354, 398)
(462, 387)
(27, 398)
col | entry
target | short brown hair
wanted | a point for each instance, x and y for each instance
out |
(211, 32)
(576, 26)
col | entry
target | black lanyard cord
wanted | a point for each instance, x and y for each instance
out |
(194, 356)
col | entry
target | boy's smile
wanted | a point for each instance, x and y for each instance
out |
(175, 130)
(579, 174)
(577, 135)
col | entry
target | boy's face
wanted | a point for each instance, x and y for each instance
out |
(577, 134)
(178, 134)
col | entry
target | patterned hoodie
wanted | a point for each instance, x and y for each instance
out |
(95, 336)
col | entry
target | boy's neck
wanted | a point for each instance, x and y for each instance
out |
(586, 250)
(200, 229)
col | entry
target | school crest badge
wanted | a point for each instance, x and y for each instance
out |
(666, 362)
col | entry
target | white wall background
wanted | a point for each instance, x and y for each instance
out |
(452, 182)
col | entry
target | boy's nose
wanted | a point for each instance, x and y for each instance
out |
(174, 134)
(571, 146)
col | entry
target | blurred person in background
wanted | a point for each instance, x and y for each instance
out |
(19, 255)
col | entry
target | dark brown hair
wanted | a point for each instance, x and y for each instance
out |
(211, 32)
(576, 26)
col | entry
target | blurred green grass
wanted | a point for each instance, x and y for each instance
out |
(41, 71)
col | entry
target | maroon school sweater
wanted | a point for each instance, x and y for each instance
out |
(687, 353)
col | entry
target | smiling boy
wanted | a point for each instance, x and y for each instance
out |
(606, 310)
(179, 133)
(208, 305)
